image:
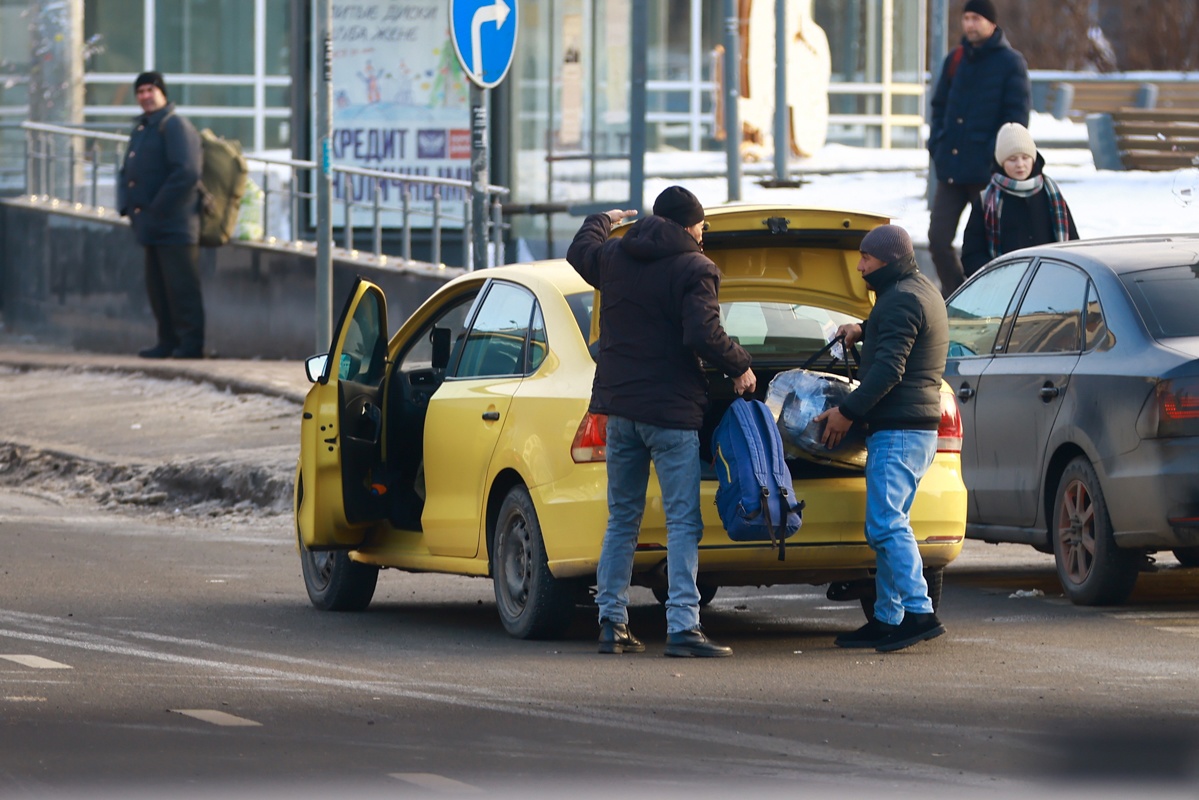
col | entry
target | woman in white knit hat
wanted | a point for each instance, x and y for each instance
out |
(1021, 207)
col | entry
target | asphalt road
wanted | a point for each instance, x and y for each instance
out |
(155, 655)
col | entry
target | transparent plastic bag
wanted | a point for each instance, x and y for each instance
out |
(797, 397)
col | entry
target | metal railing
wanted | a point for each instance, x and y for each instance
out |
(74, 165)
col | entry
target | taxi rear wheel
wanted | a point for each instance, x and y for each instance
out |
(336, 583)
(532, 603)
(1187, 556)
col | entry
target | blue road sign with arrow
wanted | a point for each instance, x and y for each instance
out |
(484, 35)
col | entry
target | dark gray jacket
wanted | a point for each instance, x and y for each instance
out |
(658, 316)
(905, 342)
(989, 87)
(159, 184)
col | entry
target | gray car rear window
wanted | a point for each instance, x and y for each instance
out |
(1167, 299)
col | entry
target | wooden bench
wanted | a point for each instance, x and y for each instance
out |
(1076, 99)
(1178, 94)
(1145, 138)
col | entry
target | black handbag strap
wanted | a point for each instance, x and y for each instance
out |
(853, 355)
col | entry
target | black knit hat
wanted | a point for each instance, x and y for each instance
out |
(887, 243)
(154, 78)
(984, 8)
(678, 204)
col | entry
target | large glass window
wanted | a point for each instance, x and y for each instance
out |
(211, 37)
(120, 24)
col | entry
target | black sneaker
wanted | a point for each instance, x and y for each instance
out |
(914, 628)
(615, 638)
(187, 352)
(869, 635)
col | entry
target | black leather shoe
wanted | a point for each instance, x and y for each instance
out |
(615, 638)
(693, 643)
(187, 352)
(914, 628)
(157, 351)
(869, 635)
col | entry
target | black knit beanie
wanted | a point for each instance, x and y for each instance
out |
(678, 204)
(984, 8)
(887, 243)
(151, 77)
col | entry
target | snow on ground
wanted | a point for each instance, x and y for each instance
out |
(894, 182)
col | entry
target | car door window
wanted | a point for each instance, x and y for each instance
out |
(977, 311)
(364, 351)
(495, 343)
(1096, 324)
(1050, 315)
(538, 343)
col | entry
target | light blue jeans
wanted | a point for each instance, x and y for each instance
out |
(895, 463)
(675, 455)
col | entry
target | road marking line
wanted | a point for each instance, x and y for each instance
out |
(37, 662)
(216, 717)
(1185, 631)
(437, 783)
(17, 698)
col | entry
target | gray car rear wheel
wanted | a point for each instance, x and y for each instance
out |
(1092, 569)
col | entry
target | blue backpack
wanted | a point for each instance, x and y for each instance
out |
(755, 499)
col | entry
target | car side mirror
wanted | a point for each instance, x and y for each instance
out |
(315, 367)
(441, 347)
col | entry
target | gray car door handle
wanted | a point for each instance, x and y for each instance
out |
(965, 393)
(491, 416)
(1049, 391)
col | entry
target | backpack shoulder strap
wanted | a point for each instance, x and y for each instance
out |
(955, 59)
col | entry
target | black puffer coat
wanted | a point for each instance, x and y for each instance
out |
(989, 87)
(659, 315)
(904, 345)
(159, 185)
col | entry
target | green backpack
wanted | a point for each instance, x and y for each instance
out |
(222, 184)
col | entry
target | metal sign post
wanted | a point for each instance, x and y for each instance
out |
(324, 176)
(484, 36)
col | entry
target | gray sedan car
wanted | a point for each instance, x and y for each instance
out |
(1076, 367)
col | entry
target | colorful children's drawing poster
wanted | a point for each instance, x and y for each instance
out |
(401, 104)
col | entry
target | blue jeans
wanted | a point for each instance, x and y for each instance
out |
(895, 463)
(675, 455)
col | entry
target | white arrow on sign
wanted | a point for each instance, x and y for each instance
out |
(496, 13)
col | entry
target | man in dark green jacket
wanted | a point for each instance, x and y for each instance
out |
(904, 344)
(159, 191)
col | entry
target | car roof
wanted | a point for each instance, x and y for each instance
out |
(1123, 254)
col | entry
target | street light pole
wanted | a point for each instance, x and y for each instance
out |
(732, 91)
(782, 136)
(324, 176)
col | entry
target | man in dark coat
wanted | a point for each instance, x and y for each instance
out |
(159, 191)
(904, 344)
(659, 316)
(984, 83)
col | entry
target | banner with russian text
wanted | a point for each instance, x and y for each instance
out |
(401, 104)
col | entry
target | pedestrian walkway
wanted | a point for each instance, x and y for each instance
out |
(201, 437)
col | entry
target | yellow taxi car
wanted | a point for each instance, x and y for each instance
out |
(463, 444)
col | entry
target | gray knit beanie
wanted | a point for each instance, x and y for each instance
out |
(887, 243)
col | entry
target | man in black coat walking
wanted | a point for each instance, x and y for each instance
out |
(159, 191)
(984, 83)
(659, 315)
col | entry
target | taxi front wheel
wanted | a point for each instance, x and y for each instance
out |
(335, 583)
(532, 603)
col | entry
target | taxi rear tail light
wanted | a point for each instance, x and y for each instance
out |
(1172, 410)
(591, 440)
(949, 432)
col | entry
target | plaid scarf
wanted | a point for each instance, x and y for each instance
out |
(993, 205)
